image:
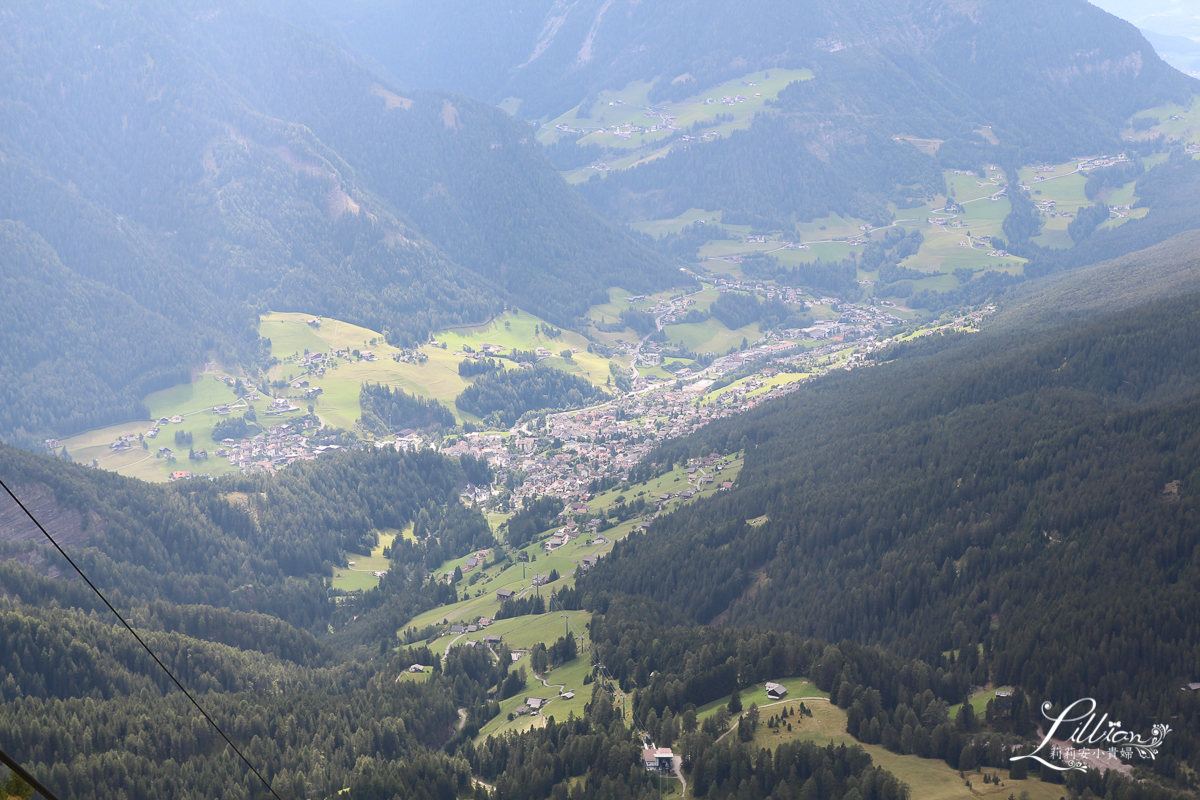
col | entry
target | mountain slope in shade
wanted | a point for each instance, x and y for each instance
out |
(208, 161)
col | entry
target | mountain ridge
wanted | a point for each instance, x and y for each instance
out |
(211, 162)
(1009, 83)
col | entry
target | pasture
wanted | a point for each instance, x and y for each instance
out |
(797, 690)
(928, 779)
(711, 335)
(437, 377)
(634, 130)
(569, 676)
(763, 385)
(979, 701)
(1185, 126)
(659, 228)
(338, 405)
(518, 576)
(194, 402)
(359, 576)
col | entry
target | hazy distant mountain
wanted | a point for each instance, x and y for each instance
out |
(1178, 17)
(1178, 51)
(200, 161)
(551, 53)
(1051, 79)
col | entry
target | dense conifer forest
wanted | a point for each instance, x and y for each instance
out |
(387, 410)
(506, 395)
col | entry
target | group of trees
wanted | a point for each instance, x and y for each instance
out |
(447, 533)
(507, 395)
(886, 255)
(641, 322)
(236, 428)
(1086, 221)
(1099, 180)
(687, 242)
(469, 368)
(735, 310)
(535, 515)
(839, 278)
(386, 410)
(521, 606)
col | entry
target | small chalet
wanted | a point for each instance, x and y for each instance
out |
(504, 594)
(775, 691)
(416, 668)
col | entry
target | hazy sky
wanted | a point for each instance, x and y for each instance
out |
(1177, 17)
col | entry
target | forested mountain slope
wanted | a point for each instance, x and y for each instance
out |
(1166, 270)
(78, 352)
(261, 544)
(552, 54)
(1050, 81)
(208, 161)
(1029, 494)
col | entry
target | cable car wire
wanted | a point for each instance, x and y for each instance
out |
(140, 641)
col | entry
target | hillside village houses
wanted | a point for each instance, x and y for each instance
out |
(606, 441)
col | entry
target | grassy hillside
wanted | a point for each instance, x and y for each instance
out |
(338, 406)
